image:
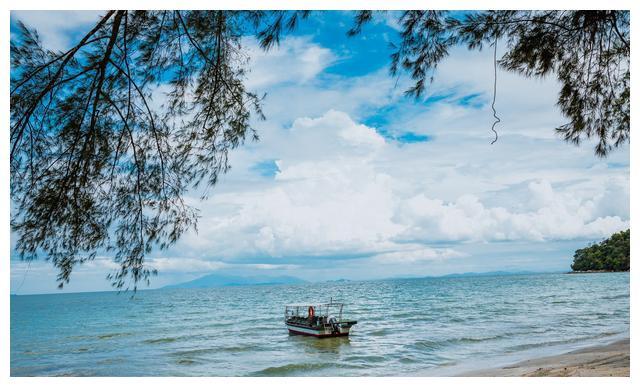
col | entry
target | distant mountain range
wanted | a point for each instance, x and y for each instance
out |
(221, 280)
(474, 274)
(487, 274)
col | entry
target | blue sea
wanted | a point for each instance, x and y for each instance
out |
(406, 327)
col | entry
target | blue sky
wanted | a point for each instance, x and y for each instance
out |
(353, 180)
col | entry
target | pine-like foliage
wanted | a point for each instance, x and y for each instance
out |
(96, 164)
(588, 52)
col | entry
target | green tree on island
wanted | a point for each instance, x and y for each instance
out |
(612, 254)
(96, 167)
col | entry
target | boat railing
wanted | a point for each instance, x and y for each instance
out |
(320, 310)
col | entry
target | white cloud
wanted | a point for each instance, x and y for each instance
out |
(333, 133)
(415, 256)
(362, 136)
(324, 207)
(552, 216)
(184, 265)
(56, 28)
(296, 60)
(200, 265)
(341, 189)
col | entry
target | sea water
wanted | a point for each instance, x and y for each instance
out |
(427, 326)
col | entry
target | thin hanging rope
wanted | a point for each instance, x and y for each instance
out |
(495, 82)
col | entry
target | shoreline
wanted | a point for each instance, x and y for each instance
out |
(608, 360)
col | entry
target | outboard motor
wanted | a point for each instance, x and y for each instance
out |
(334, 324)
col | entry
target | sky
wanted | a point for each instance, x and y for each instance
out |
(353, 180)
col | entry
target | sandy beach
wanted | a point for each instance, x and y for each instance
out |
(604, 360)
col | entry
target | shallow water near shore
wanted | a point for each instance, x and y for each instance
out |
(405, 327)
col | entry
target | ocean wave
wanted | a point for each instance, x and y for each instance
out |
(408, 360)
(480, 339)
(291, 368)
(193, 352)
(380, 332)
(108, 336)
(366, 358)
(616, 297)
(436, 344)
(522, 347)
(112, 360)
(427, 344)
(74, 374)
(185, 362)
(162, 340)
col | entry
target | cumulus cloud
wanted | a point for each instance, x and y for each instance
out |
(552, 216)
(313, 208)
(341, 189)
(333, 133)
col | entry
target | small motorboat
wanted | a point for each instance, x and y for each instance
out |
(317, 319)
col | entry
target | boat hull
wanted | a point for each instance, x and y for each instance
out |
(321, 332)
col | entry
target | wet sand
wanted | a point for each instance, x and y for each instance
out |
(605, 360)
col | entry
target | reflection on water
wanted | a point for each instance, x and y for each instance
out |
(404, 327)
(325, 345)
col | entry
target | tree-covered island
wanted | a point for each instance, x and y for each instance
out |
(612, 254)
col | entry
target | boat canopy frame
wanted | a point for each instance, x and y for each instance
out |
(320, 309)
